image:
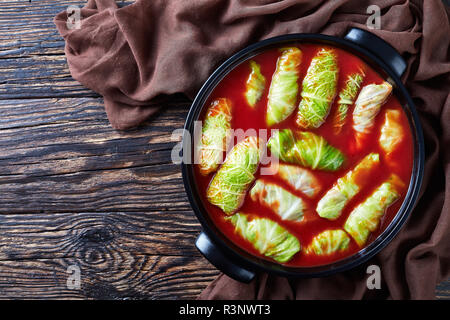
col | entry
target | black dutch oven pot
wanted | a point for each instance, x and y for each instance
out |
(241, 265)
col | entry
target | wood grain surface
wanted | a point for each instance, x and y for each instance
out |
(76, 192)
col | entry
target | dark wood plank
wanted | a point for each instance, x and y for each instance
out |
(62, 235)
(32, 61)
(116, 276)
(63, 156)
(39, 76)
(57, 150)
(443, 290)
(138, 255)
(27, 28)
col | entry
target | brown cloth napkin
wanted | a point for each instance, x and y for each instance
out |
(153, 49)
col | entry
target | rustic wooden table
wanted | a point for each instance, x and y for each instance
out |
(75, 192)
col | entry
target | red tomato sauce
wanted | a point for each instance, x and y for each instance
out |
(246, 117)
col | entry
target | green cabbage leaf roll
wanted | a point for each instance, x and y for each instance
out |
(255, 84)
(328, 242)
(306, 149)
(283, 89)
(366, 217)
(300, 179)
(392, 133)
(215, 135)
(228, 187)
(367, 106)
(282, 202)
(346, 187)
(318, 90)
(346, 98)
(267, 237)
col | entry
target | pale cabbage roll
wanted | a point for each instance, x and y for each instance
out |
(367, 106)
(282, 202)
(267, 237)
(346, 187)
(255, 84)
(392, 132)
(228, 187)
(305, 148)
(328, 242)
(318, 89)
(216, 134)
(300, 179)
(346, 98)
(365, 218)
(283, 89)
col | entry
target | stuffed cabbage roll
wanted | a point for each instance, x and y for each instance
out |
(392, 132)
(255, 85)
(346, 187)
(282, 202)
(309, 150)
(229, 186)
(266, 236)
(300, 179)
(215, 135)
(318, 89)
(346, 98)
(328, 242)
(283, 89)
(366, 217)
(367, 106)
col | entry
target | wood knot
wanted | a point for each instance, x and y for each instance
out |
(98, 235)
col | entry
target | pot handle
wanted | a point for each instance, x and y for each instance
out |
(378, 47)
(221, 261)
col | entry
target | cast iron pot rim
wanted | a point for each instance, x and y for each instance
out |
(252, 262)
